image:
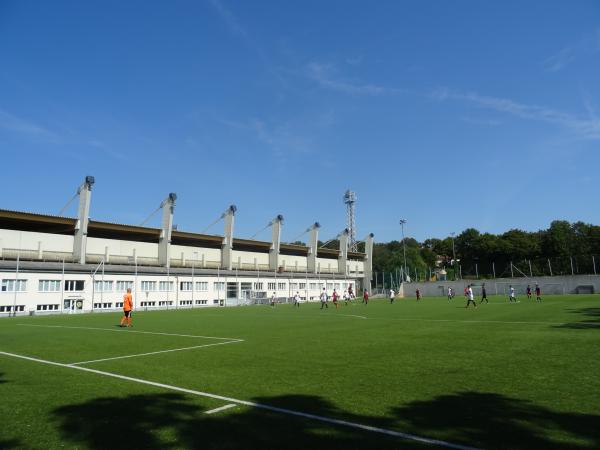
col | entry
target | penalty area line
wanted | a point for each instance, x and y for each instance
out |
(290, 412)
(127, 330)
(222, 408)
(151, 353)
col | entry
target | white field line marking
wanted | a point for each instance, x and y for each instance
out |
(474, 321)
(222, 408)
(152, 353)
(127, 330)
(352, 315)
(291, 412)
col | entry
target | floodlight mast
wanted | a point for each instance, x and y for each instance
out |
(164, 242)
(227, 245)
(402, 222)
(276, 242)
(83, 217)
(311, 263)
(350, 200)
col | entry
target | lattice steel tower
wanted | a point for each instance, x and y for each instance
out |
(350, 200)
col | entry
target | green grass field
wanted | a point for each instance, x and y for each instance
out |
(506, 376)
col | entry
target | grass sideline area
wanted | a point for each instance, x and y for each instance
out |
(516, 376)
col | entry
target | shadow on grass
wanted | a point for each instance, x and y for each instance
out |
(10, 443)
(591, 319)
(174, 421)
(2, 380)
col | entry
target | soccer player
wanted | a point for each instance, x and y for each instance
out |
(418, 292)
(346, 297)
(323, 298)
(528, 292)
(483, 294)
(297, 300)
(470, 296)
(538, 293)
(450, 293)
(334, 297)
(273, 297)
(127, 307)
(366, 297)
(350, 292)
(511, 294)
(392, 295)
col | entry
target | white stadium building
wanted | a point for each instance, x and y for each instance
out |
(57, 264)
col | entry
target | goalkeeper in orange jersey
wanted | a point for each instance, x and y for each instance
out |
(127, 308)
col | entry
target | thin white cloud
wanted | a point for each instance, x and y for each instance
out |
(28, 128)
(481, 121)
(560, 60)
(586, 128)
(324, 75)
(588, 45)
(230, 20)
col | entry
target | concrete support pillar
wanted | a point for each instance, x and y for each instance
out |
(368, 263)
(83, 217)
(227, 245)
(276, 242)
(311, 262)
(343, 256)
(164, 242)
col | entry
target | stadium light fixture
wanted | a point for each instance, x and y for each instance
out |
(402, 222)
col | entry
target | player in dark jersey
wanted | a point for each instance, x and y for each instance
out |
(528, 292)
(483, 294)
(538, 293)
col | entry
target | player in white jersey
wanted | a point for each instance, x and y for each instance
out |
(470, 297)
(297, 300)
(323, 298)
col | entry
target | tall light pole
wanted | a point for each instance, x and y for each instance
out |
(453, 255)
(402, 222)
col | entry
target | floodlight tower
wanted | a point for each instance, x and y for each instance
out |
(350, 200)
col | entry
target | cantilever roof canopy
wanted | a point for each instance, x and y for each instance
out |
(44, 223)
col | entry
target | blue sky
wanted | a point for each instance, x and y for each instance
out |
(449, 114)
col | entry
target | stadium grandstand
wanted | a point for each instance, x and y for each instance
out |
(54, 264)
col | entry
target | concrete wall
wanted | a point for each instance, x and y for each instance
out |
(29, 240)
(549, 285)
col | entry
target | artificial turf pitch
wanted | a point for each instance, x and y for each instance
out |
(506, 376)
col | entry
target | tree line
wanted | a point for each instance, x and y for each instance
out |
(558, 249)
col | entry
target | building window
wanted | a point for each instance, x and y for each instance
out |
(329, 286)
(293, 286)
(47, 307)
(185, 286)
(49, 286)
(148, 286)
(281, 286)
(258, 286)
(148, 304)
(201, 302)
(14, 285)
(74, 285)
(314, 285)
(271, 286)
(215, 302)
(185, 302)
(103, 305)
(202, 286)
(119, 305)
(337, 286)
(302, 285)
(219, 285)
(165, 303)
(103, 286)
(165, 286)
(9, 308)
(122, 286)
